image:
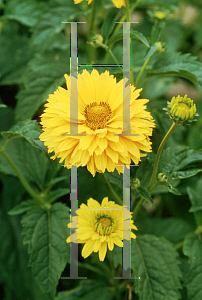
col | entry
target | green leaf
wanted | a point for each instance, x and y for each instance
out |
(32, 162)
(109, 22)
(3, 106)
(196, 201)
(15, 48)
(180, 162)
(44, 74)
(29, 130)
(54, 195)
(181, 65)
(50, 25)
(114, 177)
(23, 207)
(145, 194)
(45, 232)
(154, 261)
(172, 189)
(193, 249)
(88, 290)
(133, 34)
(172, 228)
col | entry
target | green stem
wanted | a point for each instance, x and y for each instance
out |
(92, 23)
(21, 176)
(158, 155)
(113, 191)
(119, 25)
(179, 245)
(127, 11)
(114, 58)
(91, 52)
(153, 177)
(142, 70)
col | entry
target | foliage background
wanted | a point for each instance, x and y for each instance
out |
(34, 56)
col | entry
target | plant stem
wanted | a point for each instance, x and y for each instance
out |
(141, 71)
(158, 155)
(21, 177)
(153, 177)
(127, 11)
(90, 50)
(92, 23)
(113, 191)
(179, 245)
(114, 59)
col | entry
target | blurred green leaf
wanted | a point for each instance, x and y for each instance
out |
(161, 3)
(181, 65)
(196, 201)
(50, 24)
(23, 11)
(15, 52)
(173, 229)
(109, 22)
(54, 195)
(114, 177)
(193, 249)
(154, 261)
(23, 207)
(157, 30)
(45, 232)
(133, 34)
(88, 290)
(145, 194)
(44, 74)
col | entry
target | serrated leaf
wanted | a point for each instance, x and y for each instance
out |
(23, 207)
(180, 162)
(45, 232)
(141, 170)
(181, 65)
(50, 24)
(29, 130)
(193, 249)
(43, 75)
(109, 22)
(154, 261)
(88, 290)
(133, 34)
(145, 194)
(54, 195)
(29, 160)
(114, 177)
(185, 174)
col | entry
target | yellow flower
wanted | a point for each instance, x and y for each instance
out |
(99, 227)
(181, 110)
(100, 117)
(117, 3)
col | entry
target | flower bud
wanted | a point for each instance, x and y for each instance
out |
(181, 110)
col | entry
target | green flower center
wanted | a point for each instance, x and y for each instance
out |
(104, 224)
(97, 115)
